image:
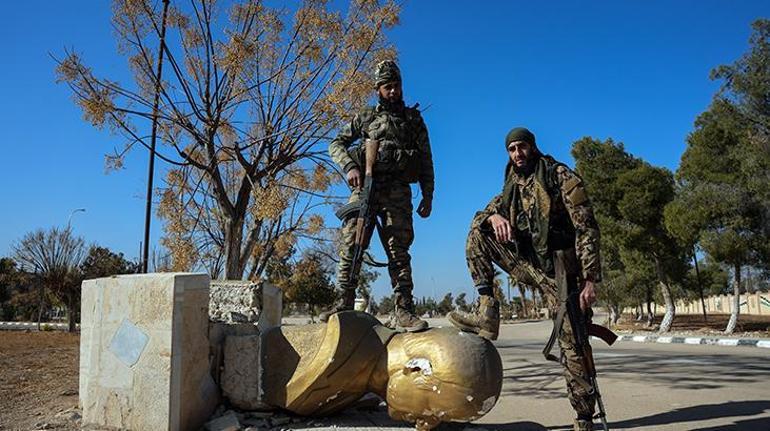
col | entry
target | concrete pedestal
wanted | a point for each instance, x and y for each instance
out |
(144, 352)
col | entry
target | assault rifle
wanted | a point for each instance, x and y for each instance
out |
(582, 328)
(363, 212)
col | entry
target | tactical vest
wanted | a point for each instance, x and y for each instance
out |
(398, 156)
(550, 227)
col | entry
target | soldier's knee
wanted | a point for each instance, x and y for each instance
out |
(477, 238)
(403, 238)
(474, 242)
(400, 261)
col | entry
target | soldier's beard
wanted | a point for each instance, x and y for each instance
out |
(529, 166)
(392, 105)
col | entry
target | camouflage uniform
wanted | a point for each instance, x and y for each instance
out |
(548, 210)
(404, 157)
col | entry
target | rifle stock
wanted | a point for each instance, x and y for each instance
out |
(348, 210)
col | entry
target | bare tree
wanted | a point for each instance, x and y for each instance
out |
(249, 97)
(55, 256)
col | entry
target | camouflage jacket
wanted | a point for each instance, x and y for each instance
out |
(560, 193)
(403, 141)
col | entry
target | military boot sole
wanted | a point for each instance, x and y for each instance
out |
(483, 333)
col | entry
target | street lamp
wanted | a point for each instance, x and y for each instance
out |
(69, 220)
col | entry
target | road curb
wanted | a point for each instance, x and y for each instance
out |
(712, 341)
(33, 325)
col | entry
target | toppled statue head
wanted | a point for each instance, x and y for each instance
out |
(438, 375)
(441, 375)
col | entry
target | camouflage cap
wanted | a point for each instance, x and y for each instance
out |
(386, 71)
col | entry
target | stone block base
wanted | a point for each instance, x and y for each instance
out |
(144, 352)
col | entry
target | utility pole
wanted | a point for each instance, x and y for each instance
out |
(151, 169)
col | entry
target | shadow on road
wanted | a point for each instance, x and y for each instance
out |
(702, 413)
(744, 425)
(356, 419)
(513, 426)
(524, 377)
(698, 371)
(542, 379)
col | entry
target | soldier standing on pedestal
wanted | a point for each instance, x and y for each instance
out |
(404, 157)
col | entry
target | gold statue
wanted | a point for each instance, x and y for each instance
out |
(438, 375)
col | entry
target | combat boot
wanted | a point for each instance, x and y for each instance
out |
(584, 425)
(483, 319)
(404, 318)
(346, 298)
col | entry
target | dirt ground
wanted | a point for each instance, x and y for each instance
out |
(748, 326)
(38, 380)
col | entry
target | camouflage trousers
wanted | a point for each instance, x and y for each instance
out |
(482, 250)
(392, 203)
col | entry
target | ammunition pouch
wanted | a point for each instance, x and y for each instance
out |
(407, 164)
(392, 161)
(348, 211)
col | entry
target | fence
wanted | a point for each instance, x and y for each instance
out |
(751, 303)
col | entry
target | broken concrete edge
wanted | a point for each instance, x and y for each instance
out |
(244, 391)
(239, 301)
(234, 421)
(227, 422)
(225, 417)
(128, 317)
(240, 378)
(272, 307)
(237, 359)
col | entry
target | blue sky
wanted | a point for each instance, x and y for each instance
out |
(636, 71)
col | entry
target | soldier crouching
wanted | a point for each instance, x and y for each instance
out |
(543, 208)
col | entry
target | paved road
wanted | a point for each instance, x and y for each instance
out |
(645, 386)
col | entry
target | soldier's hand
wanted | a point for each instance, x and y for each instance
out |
(502, 228)
(425, 207)
(587, 295)
(354, 178)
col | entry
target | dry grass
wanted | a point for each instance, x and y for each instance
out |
(39, 379)
(755, 326)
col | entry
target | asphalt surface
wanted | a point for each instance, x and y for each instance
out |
(645, 386)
